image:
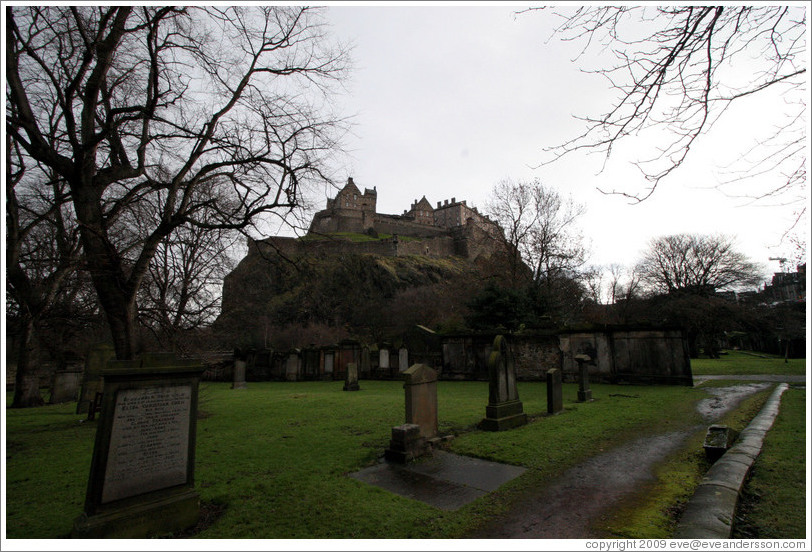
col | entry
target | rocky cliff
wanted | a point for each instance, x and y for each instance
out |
(292, 297)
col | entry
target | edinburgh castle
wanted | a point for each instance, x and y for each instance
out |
(452, 228)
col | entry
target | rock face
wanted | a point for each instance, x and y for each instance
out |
(362, 274)
(343, 287)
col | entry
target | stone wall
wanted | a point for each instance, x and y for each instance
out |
(620, 355)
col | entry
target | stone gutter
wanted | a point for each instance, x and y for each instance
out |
(710, 512)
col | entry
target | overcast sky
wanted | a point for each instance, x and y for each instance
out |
(450, 99)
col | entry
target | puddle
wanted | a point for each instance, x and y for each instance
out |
(725, 399)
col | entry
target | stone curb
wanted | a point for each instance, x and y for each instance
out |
(710, 511)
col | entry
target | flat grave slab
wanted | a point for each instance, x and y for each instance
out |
(444, 480)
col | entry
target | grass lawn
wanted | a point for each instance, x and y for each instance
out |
(774, 501)
(276, 455)
(741, 362)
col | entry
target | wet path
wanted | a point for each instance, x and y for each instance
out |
(569, 507)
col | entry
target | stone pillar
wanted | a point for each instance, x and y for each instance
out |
(421, 399)
(351, 379)
(504, 410)
(584, 392)
(555, 398)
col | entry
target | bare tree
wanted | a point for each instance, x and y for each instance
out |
(181, 290)
(696, 264)
(540, 226)
(42, 251)
(676, 70)
(623, 283)
(129, 103)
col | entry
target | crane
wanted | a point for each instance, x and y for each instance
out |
(781, 261)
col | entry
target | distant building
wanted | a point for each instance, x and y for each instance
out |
(353, 211)
(786, 287)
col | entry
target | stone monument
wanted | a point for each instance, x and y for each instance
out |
(92, 381)
(410, 440)
(65, 386)
(239, 370)
(351, 378)
(584, 392)
(555, 396)
(504, 410)
(421, 399)
(141, 480)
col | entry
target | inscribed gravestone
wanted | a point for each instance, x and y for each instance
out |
(555, 396)
(351, 378)
(142, 472)
(504, 410)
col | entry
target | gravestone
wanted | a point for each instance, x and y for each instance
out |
(141, 480)
(292, 364)
(328, 362)
(555, 396)
(403, 359)
(365, 367)
(92, 381)
(351, 378)
(65, 386)
(239, 374)
(383, 359)
(584, 392)
(410, 440)
(421, 399)
(504, 410)
(240, 362)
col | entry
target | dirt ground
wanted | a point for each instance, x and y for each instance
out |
(569, 508)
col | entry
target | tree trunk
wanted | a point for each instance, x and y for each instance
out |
(121, 317)
(26, 381)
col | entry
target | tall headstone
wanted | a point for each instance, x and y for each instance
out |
(365, 367)
(410, 440)
(555, 396)
(584, 392)
(351, 379)
(504, 410)
(403, 359)
(239, 374)
(292, 365)
(92, 382)
(421, 399)
(141, 480)
(383, 359)
(328, 362)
